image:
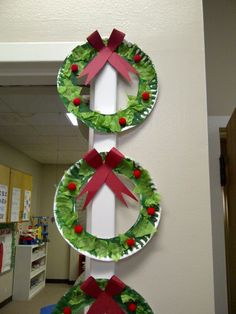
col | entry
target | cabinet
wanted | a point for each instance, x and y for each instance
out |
(30, 270)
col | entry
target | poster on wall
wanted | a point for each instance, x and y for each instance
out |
(5, 249)
(27, 204)
(3, 202)
(15, 204)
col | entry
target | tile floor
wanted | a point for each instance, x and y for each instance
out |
(51, 294)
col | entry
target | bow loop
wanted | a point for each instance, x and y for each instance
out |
(114, 158)
(104, 174)
(93, 159)
(114, 286)
(115, 39)
(107, 54)
(96, 41)
(104, 302)
(91, 287)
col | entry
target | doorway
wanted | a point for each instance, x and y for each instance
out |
(228, 183)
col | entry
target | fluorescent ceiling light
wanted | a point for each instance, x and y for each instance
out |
(72, 118)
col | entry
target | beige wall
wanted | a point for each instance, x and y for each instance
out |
(58, 249)
(15, 159)
(220, 29)
(174, 272)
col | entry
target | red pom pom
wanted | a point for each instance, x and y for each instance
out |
(132, 307)
(137, 58)
(137, 173)
(78, 228)
(130, 242)
(122, 121)
(145, 95)
(151, 211)
(71, 186)
(76, 101)
(74, 68)
(67, 310)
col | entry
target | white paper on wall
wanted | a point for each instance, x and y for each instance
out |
(3, 202)
(15, 204)
(27, 204)
(5, 250)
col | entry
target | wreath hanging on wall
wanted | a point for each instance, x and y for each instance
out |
(103, 296)
(86, 177)
(87, 60)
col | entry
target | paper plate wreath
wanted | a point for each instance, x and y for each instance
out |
(87, 60)
(104, 168)
(105, 296)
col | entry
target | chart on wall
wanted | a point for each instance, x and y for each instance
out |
(3, 202)
(6, 242)
(15, 204)
(27, 202)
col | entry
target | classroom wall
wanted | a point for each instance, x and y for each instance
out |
(15, 159)
(58, 249)
(175, 271)
(220, 27)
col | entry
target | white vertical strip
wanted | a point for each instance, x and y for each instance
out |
(101, 214)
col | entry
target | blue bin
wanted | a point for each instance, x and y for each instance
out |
(47, 309)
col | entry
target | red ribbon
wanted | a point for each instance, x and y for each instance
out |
(107, 54)
(104, 299)
(104, 174)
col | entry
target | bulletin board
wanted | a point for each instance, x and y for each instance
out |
(15, 195)
(7, 247)
(4, 190)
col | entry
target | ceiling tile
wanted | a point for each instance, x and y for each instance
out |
(38, 99)
(4, 107)
(47, 119)
(20, 130)
(33, 120)
(11, 119)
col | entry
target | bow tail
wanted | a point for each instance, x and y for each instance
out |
(122, 66)
(105, 304)
(119, 66)
(127, 64)
(118, 188)
(92, 69)
(95, 66)
(93, 186)
(90, 195)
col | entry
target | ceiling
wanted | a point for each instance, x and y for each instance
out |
(33, 120)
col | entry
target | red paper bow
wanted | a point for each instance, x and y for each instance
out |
(107, 54)
(104, 174)
(104, 299)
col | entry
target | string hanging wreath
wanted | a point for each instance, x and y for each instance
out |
(87, 60)
(103, 296)
(94, 166)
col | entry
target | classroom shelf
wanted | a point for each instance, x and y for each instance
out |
(37, 271)
(29, 279)
(36, 289)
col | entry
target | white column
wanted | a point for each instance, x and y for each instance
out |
(101, 213)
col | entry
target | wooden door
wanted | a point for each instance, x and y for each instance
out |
(230, 195)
